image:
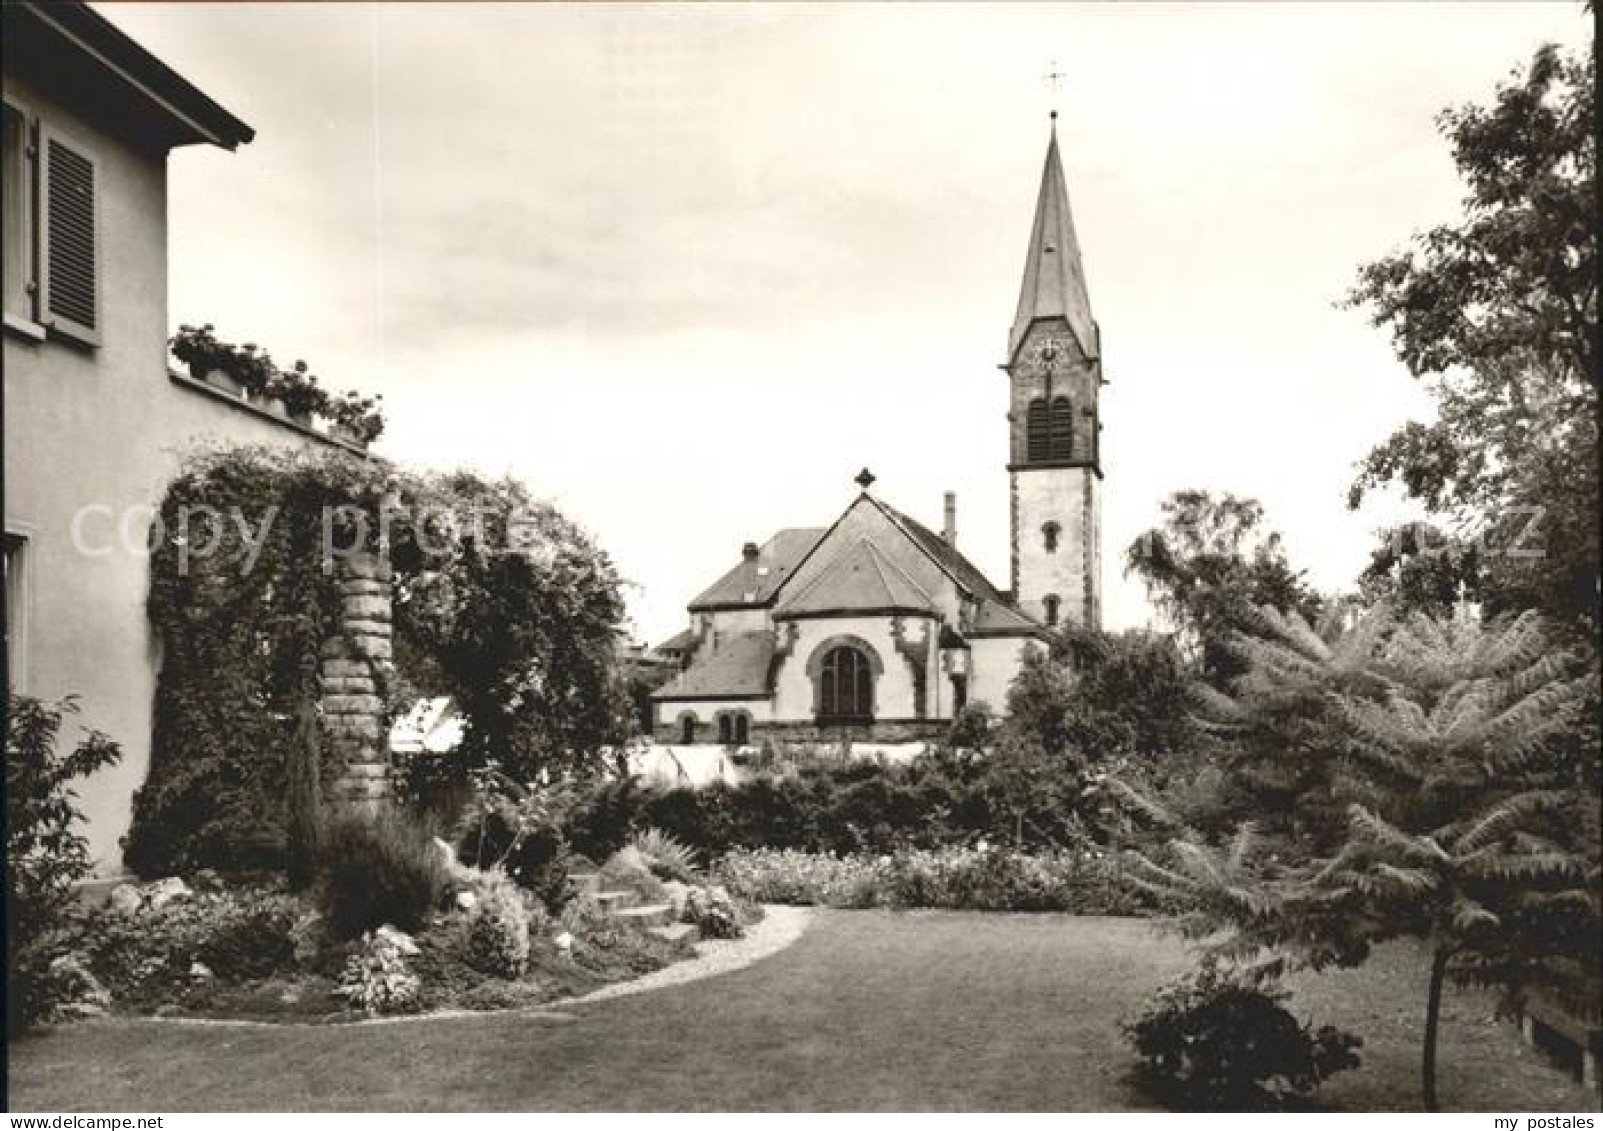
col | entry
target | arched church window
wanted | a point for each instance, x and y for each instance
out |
(726, 729)
(1061, 429)
(1050, 533)
(742, 733)
(687, 729)
(846, 685)
(1037, 436)
(1050, 604)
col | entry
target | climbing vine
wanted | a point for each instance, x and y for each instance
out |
(497, 600)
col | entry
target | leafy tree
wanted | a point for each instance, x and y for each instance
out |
(46, 855)
(1034, 770)
(1208, 566)
(1443, 789)
(521, 616)
(1131, 693)
(1498, 314)
(1417, 567)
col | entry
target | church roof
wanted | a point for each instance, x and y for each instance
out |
(946, 555)
(755, 579)
(1054, 278)
(678, 642)
(860, 580)
(734, 668)
(996, 618)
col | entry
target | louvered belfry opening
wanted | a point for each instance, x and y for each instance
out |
(1036, 430)
(1049, 430)
(70, 215)
(1061, 443)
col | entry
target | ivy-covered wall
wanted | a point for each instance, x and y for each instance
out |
(297, 599)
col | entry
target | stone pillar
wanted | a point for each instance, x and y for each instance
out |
(356, 665)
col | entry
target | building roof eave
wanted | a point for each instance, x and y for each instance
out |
(191, 116)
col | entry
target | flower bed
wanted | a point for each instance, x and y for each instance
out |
(959, 878)
(258, 951)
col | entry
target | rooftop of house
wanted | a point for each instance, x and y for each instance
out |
(86, 57)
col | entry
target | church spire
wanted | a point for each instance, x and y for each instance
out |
(1054, 279)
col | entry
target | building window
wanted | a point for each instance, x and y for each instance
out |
(1050, 533)
(959, 693)
(18, 204)
(687, 729)
(16, 565)
(846, 685)
(52, 231)
(1050, 604)
(734, 728)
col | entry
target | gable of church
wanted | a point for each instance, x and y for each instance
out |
(868, 520)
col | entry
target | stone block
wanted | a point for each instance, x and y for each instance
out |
(345, 668)
(352, 726)
(359, 608)
(349, 685)
(366, 566)
(352, 705)
(376, 647)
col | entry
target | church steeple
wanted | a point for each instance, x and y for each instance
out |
(1054, 369)
(1054, 278)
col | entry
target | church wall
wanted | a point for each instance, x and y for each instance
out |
(894, 687)
(706, 712)
(1071, 497)
(995, 660)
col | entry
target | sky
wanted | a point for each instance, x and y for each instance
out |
(686, 270)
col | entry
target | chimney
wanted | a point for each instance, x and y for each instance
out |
(949, 532)
(749, 551)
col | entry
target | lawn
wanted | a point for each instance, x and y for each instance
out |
(868, 1010)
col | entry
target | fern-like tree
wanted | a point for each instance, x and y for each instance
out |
(1419, 778)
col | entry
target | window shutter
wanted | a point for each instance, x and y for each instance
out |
(1037, 438)
(69, 260)
(1061, 444)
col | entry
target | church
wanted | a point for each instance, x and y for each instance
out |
(878, 629)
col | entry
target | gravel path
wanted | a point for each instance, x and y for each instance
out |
(780, 927)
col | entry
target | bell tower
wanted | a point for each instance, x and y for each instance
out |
(1054, 368)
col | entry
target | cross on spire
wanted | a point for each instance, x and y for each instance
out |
(1054, 79)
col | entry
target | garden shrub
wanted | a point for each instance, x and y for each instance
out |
(956, 878)
(238, 934)
(45, 854)
(498, 927)
(667, 857)
(516, 830)
(937, 799)
(629, 870)
(377, 979)
(1213, 1041)
(377, 869)
(713, 913)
